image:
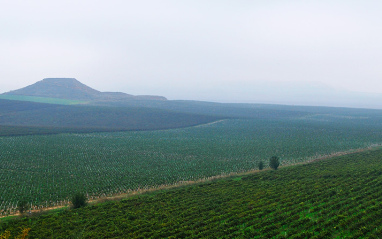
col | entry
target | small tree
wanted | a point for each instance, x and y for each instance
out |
(22, 206)
(274, 162)
(79, 200)
(261, 165)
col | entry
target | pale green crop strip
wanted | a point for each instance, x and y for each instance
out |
(42, 99)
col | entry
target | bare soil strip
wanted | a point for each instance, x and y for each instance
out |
(183, 183)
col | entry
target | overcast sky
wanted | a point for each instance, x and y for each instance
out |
(217, 50)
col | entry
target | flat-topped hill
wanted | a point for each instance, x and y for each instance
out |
(72, 89)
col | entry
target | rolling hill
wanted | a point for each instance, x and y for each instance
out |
(56, 105)
(72, 89)
(21, 117)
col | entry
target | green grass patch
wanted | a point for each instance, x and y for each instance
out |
(42, 99)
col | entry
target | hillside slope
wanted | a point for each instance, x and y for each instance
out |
(340, 197)
(237, 110)
(77, 118)
(72, 89)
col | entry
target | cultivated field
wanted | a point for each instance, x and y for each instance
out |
(46, 170)
(335, 198)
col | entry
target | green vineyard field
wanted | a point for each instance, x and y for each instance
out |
(45, 170)
(336, 198)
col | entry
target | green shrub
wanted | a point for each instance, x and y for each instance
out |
(274, 162)
(22, 206)
(79, 200)
(261, 165)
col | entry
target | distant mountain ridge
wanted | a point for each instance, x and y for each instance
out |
(72, 89)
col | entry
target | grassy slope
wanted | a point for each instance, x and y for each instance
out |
(340, 197)
(27, 130)
(80, 118)
(27, 118)
(215, 109)
(41, 99)
(246, 110)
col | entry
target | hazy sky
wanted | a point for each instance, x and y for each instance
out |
(222, 50)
